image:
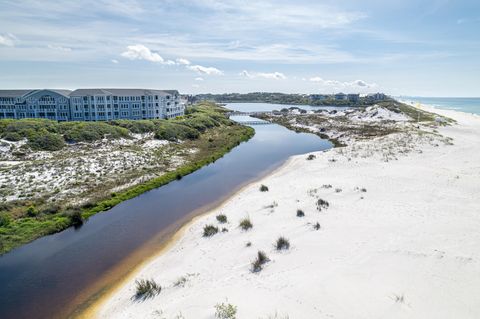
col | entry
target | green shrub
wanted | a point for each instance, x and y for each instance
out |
(50, 209)
(75, 217)
(200, 122)
(32, 211)
(12, 136)
(261, 260)
(311, 157)
(74, 132)
(316, 226)
(322, 204)
(300, 213)
(26, 127)
(5, 219)
(146, 289)
(225, 311)
(209, 230)
(263, 188)
(171, 131)
(45, 141)
(222, 219)
(282, 243)
(138, 127)
(246, 224)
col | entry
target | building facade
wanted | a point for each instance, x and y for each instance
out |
(353, 97)
(376, 97)
(91, 104)
(48, 104)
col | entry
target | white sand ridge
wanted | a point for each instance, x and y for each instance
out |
(399, 239)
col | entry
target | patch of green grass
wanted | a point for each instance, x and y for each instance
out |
(222, 219)
(209, 230)
(262, 259)
(246, 224)
(225, 311)
(146, 288)
(282, 243)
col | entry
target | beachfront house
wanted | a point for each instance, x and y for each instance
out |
(340, 96)
(91, 104)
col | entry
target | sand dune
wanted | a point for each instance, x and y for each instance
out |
(400, 238)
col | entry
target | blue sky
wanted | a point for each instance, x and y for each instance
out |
(426, 48)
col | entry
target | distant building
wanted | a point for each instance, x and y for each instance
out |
(376, 97)
(353, 97)
(91, 104)
(318, 97)
(340, 96)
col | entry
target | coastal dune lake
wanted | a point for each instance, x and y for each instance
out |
(58, 275)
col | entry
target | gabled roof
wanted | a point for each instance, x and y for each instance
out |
(64, 93)
(173, 92)
(14, 93)
(130, 92)
(26, 93)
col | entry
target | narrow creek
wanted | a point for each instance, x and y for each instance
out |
(56, 275)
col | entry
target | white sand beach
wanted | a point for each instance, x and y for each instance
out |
(400, 238)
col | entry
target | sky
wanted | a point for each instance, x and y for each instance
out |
(400, 47)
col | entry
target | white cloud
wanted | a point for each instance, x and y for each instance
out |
(141, 52)
(360, 83)
(183, 61)
(199, 79)
(8, 39)
(334, 84)
(114, 61)
(204, 70)
(272, 76)
(235, 15)
(59, 48)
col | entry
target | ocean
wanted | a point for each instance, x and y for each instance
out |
(463, 104)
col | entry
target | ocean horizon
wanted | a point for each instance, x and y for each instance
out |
(462, 104)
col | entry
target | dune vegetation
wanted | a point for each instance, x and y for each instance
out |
(56, 175)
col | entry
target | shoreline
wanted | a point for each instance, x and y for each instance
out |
(105, 204)
(433, 107)
(180, 235)
(91, 310)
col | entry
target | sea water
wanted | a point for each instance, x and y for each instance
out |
(462, 104)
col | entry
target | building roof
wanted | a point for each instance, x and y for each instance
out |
(14, 93)
(25, 93)
(64, 93)
(173, 92)
(130, 92)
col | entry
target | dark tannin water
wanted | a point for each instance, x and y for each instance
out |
(52, 276)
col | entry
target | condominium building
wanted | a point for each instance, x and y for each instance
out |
(48, 104)
(353, 97)
(91, 104)
(376, 97)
